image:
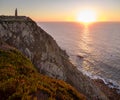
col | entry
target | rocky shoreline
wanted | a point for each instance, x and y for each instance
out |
(111, 93)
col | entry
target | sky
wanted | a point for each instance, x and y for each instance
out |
(62, 10)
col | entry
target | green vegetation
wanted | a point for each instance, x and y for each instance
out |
(19, 80)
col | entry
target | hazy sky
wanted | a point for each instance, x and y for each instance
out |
(61, 10)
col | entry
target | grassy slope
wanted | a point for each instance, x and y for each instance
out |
(19, 80)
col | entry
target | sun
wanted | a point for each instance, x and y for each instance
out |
(86, 16)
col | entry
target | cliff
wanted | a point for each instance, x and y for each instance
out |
(45, 54)
(19, 80)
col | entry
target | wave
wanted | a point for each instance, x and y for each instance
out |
(109, 82)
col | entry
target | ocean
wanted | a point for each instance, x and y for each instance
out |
(93, 48)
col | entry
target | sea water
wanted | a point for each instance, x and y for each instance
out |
(93, 48)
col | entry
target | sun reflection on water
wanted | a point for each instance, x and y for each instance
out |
(85, 36)
(86, 48)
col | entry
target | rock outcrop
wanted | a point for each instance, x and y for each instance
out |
(46, 55)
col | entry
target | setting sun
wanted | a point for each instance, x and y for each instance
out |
(86, 16)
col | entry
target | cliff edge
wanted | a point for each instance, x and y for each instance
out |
(46, 55)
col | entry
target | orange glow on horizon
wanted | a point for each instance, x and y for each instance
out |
(84, 16)
(87, 16)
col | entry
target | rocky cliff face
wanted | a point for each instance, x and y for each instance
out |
(34, 43)
(19, 80)
(46, 55)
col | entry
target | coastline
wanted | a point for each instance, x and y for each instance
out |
(107, 86)
(111, 93)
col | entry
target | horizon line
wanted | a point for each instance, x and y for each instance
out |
(79, 22)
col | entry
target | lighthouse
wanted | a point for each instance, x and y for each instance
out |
(16, 12)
